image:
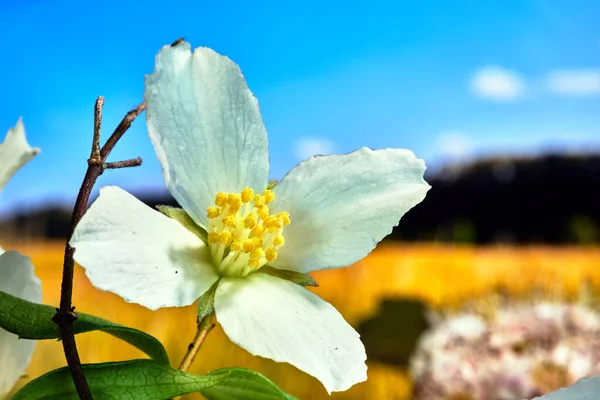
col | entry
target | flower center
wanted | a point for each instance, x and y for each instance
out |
(242, 235)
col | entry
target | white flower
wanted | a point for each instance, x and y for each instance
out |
(327, 212)
(16, 272)
(17, 279)
(14, 153)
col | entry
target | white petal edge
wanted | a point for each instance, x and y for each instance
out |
(341, 206)
(277, 319)
(583, 389)
(129, 249)
(14, 152)
(17, 278)
(206, 127)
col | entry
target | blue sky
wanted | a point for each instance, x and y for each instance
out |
(449, 80)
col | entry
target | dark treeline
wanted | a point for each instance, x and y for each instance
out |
(551, 199)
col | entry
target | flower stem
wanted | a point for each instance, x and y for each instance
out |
(205, 325)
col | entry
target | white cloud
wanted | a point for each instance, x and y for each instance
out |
(497, 83)
(307, 147)
(576, 82)
(454, 145)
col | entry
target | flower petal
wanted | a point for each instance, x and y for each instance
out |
(583, 389)
(143, 256)
(14, 153)
(206, 127)
(341, 206)
(18, 279)
(277, 319)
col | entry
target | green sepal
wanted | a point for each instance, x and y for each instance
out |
(34, 322)
(181, 216)
(272, 183)
(206, 303)
(292, 276)
(151, 380)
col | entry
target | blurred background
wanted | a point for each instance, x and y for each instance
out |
(501, 99)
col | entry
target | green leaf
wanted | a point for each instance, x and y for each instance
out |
(151, 380)
(181, 216)
(34, 321)
(135, 379)
(243, 384)
(292, 276)
(206, 303)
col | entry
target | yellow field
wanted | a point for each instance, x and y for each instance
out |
(440, 275)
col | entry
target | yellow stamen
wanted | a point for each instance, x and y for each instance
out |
(250, 221)
(269, 196)
(247, 195)
(242, 236)
(272, 222)
(263, 212)
(234, 198)
(213, 212)
(230, 221)
(248, 245)
(269, 221)
(271, 254)
(257, 253)
(213, 237)
(285, 217)
(221, 199)
(257, 231)
(234, 201)
(278, 241)
(225, 237)
(259, 201)
(236, 246)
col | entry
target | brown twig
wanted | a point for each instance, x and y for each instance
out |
(65, 315)
(120, 130)
(134, 162)
(95, 156)
(204, 327)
